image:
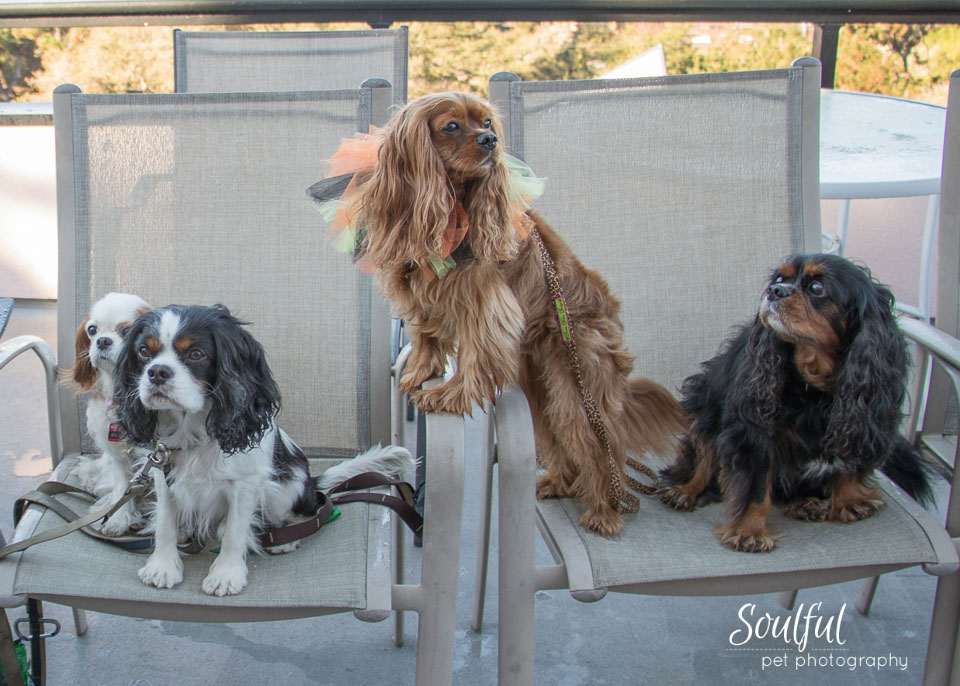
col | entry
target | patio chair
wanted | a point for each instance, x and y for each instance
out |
(225, 61)
(683, 192)
(200, 198)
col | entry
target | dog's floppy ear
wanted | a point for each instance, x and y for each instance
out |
(83, 372)
(493, 234)
(246, 397)
(408, 199)
(139, 422)
(870, 383)
(758, 383)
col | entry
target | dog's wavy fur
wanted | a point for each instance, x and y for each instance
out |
(493, 311)
(800, 406)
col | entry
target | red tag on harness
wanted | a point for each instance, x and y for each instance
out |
(115, 433)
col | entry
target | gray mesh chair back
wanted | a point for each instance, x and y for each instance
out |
(694, 212)
(199, 199)
(223, 61)
(684, 192)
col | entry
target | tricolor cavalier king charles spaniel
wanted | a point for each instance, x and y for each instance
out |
(800, 406)
(194, 379)
(98, 342)
(452, 246)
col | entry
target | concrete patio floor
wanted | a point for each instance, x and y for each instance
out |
(620, 640)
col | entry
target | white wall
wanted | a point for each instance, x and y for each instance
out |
(28, 213)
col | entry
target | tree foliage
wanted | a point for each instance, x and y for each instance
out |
(914, 61)
(19, 59)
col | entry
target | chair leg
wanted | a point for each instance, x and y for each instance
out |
(79, 621)
(38, 643)
(486, 498)
(517, 527)
(787, 599)
(8, 654)
(398, 576)
(867, 591)
(943, 632)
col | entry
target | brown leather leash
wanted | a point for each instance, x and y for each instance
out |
(619, 497)
(345, 492)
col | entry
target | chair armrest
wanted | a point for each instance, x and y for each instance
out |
(16, 346)
(943, 345)
(443, 513)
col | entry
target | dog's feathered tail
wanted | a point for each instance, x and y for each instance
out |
(911, 471)
(653, 418)
(392, 460)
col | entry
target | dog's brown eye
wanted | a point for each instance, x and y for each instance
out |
(92, 330)
(816, 288)
(452, 127)
(487, 123)
(195, 355)
(143, 352)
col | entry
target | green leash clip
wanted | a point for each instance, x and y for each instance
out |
(562, 316)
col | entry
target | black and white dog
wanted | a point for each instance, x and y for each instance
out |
(193, 378)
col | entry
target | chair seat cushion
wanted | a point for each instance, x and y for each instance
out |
(658, 544)
(327, 573)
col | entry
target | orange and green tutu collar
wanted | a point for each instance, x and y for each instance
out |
(344, 174)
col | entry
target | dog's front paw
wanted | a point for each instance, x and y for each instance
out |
(443, 399)
(414, 375)
(854, 512)
(678, 498)
(226, 577)
(162, 571)
(760, 541)
(281, 549)
(119, 522)
(549, 486)
(808, 509)
(603, 520)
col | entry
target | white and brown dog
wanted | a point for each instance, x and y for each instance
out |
(195, 379)
(99, 337)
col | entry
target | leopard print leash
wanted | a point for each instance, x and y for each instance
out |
(619, 497)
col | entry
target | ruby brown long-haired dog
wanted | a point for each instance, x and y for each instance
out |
(800, 406)
(449, 236)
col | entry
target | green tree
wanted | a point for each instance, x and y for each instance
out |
(592, 50)
(19, 59)
(902, 39)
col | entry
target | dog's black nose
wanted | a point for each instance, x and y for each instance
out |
(487, 140)
(159, 374)
(779, 291)
(104, 343)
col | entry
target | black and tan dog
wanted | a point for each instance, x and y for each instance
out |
(800, 406)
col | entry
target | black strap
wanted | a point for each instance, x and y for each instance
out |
(350, 491)
(403, 505)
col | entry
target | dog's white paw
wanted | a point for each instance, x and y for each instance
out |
(281, 549)
(119, 522)
(226, 577)
(162, 571)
